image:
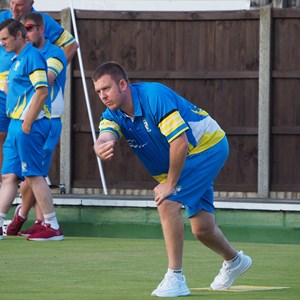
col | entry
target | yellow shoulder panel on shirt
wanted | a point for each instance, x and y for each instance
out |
(39, 78)
(55, 65)
(170, 123)
(65, 39)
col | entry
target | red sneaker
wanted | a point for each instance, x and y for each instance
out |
(1, 233)
(47, 233)
(15, 226)
(37, 226)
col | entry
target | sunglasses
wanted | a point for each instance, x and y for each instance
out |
(28, 27)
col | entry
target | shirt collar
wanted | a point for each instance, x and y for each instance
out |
(26, 48)
(136, 102)
(45, 47)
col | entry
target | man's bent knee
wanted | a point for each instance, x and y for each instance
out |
(169, 207)
(10, 178)
(203, 225)
(203, 233)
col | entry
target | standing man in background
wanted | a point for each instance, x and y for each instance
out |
(57, 64)
(53, 32)
(29, 108)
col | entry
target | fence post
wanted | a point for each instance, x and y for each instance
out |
(65, 140)
(264, 102)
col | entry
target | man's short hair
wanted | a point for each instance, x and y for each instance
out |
(36, 17)
(13, 26)
(112, 68)
(28, 1)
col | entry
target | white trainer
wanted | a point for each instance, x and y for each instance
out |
(171, 286)
(227, 275)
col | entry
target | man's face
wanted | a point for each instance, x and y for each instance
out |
(33, 33)
(8, 41)
(110, 92)
(20, 8)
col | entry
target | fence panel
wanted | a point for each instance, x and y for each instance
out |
(210, 58)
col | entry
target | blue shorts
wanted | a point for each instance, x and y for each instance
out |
(4, 119)
(195, 185)
(24, 153)
(51, 143)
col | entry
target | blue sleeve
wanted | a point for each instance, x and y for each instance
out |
(52, 29)
(162, 101)
(164, 104)
(4, 15)
(37, 69)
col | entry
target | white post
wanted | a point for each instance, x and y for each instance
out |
(65, 138)
(86, 96)
(264, 102)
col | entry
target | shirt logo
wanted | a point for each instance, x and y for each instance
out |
(17, 65)
(134, 144)
(24, 166)
(146, 126)
(177, 190)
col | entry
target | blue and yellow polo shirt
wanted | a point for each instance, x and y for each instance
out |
(161, 115)
(57, 63)
(27, 73)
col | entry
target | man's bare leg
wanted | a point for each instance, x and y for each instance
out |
(173, 229)
(28, 200)
(205, 230)
(8, 192)
(2, 140)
